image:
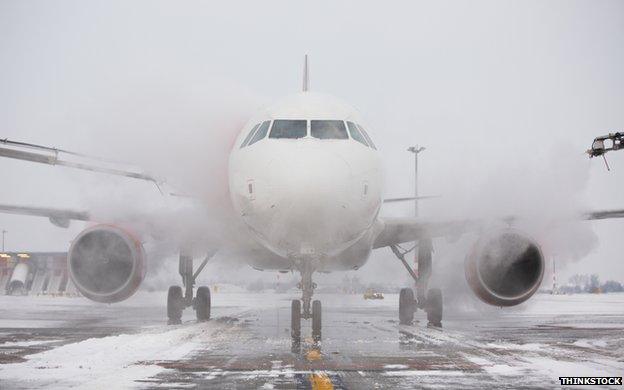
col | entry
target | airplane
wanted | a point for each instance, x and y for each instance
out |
(306, 185)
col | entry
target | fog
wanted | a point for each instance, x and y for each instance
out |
(506, 96)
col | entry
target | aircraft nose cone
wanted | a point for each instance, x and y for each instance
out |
(314, 181)
(312, 201)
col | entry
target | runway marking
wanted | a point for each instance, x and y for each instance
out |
(321, 381)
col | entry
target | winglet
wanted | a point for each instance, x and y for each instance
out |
(306, 76)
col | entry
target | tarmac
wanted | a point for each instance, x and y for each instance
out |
(72, 342)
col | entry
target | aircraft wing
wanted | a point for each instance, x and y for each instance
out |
(399, 230)
(395, 200)
(53, 156)
(59, 217)
(603, 214)
(142, 220)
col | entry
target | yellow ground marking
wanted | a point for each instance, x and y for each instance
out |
(313, 355)
(321, 381)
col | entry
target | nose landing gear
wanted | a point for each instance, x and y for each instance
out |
(311, 310)
(177, 302)
(295, 324)
(316, 321)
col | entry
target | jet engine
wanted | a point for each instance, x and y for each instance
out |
(504, 268)
(106, 263)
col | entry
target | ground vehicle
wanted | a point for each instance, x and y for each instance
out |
(372, 294)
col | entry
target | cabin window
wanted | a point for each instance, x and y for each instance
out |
(289, 128)
(261, 133)
(328, 129)
(251, 133)
(356, 134)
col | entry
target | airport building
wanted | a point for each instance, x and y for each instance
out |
(35, 273)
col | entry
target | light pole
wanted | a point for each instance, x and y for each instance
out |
(416, 149)
(3, 233)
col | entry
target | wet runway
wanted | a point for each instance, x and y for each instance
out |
(65, 342)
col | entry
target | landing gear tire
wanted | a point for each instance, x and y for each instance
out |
(295, 324)
(175, 305)
(406, 306)
(434, 307)
(316, 321)
(202, 303)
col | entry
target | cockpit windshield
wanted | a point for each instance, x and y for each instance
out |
(251, 133)
(356, 134)
(289, 128)
(261, 133)
(368, 139)
(328, 129)
(319, 129)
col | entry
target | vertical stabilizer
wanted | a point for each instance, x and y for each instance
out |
(306, 76)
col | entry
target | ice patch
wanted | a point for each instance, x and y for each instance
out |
(424, 373)
(519, 347)
(395, 367)
(586, 343)
(26, 343)
(477, 360)
(493, 368)
(503, 369)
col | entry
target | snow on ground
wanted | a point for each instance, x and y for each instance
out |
(521, 347)
(586, 343)
(555, 368)
(8, 344)
(577, 304)
(105, 362)
(110, 362)
(395, 367)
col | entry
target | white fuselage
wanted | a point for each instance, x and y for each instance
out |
(307, 198)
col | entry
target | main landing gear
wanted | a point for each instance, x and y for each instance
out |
(428, 300)
(177, 301)
(308, 311)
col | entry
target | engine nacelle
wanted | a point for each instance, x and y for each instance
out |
(505, 268)
(106, 263)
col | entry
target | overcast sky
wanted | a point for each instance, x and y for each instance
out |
(505, 95)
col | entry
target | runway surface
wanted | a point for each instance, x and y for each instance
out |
(71, 342)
